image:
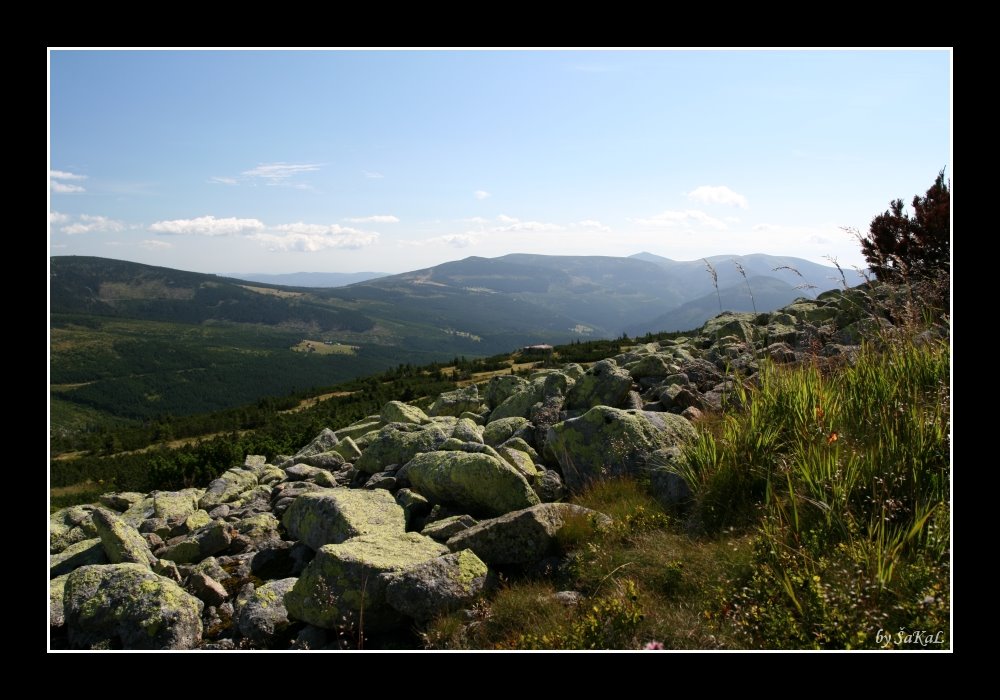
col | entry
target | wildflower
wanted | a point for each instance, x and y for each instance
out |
(653, 645)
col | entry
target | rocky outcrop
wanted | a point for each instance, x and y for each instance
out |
(607, 442)
(479, 482)
(525, 536)
(437, 586)
(347, 578)
(331, 516)
(127, 606)
(374, 524)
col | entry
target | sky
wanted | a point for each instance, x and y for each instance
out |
(388, 161)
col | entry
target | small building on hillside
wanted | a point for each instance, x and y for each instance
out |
(537, 350)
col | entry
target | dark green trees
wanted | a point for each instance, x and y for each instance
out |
(902, 246)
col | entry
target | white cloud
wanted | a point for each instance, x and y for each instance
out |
(513, 224)
(372, 175)
(687, 217)
(224, 181)
(206, 226)
(310, 238)
(89, 224)
(475, 220)
(63, 175)
(63, 188)
(156, 245)
(57, 218)
(709, 194)
(455, 240)
(57, 176)
(594, 225)
(480, 194)
(277, 172)
(376, 219)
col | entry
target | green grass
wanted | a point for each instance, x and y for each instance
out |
(819, 520)
(844, 477)
(641, 580)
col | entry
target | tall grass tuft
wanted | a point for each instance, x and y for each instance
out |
(715, 281)
(847, 476)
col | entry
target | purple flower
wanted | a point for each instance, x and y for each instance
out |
(653, 645)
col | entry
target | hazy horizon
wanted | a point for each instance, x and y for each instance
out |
(277, 162)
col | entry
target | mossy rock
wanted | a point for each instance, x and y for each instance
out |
(609, 442)
(519, 403)
(457, 402)
(331, 516)
(227, 488)
(76, 555)
(502, 388)
(478, 483)
(524, 536)
(399, 412)
(438, 586)
(499, 431)
(347, 578)
(397, 443)
(122, 543)
(604, 384)
(127, 606)
(264, 614)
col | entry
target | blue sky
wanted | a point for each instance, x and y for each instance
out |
(269, 161)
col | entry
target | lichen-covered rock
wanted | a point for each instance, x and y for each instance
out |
(197, 519)
(518, 443)
(76, 555)
(467, 430)
(442, 530)
(70, 525)
(120, 501)
(519, 403)
(346, 578)
(604, 384)
(302, 472)
(518, 459)
(57, 590)
(438, 586)
(324, 442)
(361, 427)
(206, 589)
(413, 504)
(270, 475)
(127, 606)
(730, 323)
(203, 542)
(455, 403)
(499, 431)
(399, 412)
(608, 442)
(398, 444)
(524, 536)
(479, 483)
(549, 486)
(264, 615)
(176, 505)
(227, 488)
(704, 375)
(334, 515)
(260, 529)
(348, 449)
(657, 366)
(122, 543)
(502, 388)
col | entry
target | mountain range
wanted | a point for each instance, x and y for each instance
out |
(135, 341)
